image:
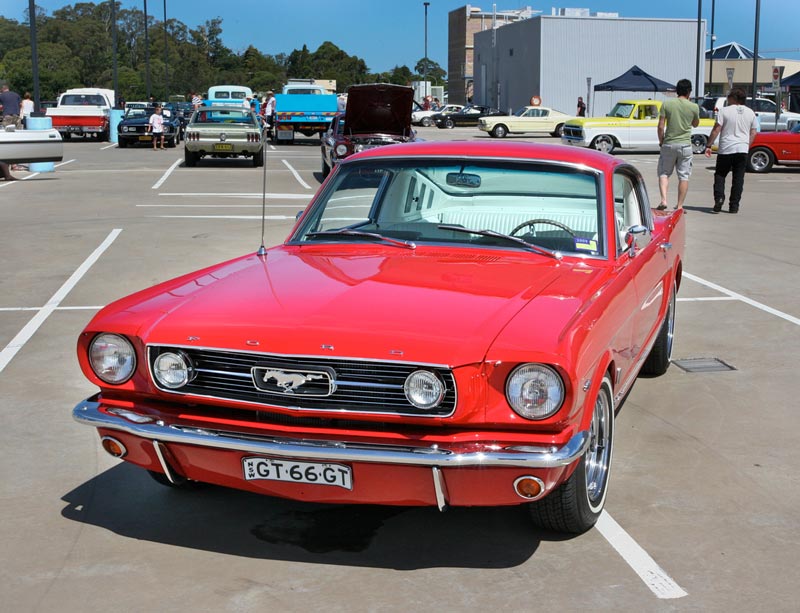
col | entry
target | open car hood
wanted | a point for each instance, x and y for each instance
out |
(379, 108)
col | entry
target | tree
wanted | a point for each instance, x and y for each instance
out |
(434, 73)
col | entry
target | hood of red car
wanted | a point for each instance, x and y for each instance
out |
(427, 305)
(379, 108)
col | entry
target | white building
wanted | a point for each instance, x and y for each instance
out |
(552, 56)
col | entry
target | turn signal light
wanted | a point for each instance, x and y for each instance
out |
(529, 488)
(113, 446)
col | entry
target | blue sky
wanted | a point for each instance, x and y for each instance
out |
(386, 33)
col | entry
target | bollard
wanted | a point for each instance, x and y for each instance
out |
(40, 121)
(114, 118)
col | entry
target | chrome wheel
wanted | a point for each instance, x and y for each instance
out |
(499, 131)
(449, 124)
(760, 160)
(604, 143)
(427, 122)
(698, 143)
(598, 455)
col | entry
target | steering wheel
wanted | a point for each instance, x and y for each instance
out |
(532, 222)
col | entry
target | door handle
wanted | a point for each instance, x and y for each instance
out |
(665, 246)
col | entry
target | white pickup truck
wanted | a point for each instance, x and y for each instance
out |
(83, 112)
(631, 124)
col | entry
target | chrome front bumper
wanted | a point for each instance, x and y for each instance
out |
(88, 412)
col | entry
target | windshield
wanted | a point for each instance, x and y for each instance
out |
(621, 109)
(213, 115)
(546, 205)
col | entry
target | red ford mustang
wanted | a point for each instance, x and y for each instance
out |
(447, 324)
(771, 148)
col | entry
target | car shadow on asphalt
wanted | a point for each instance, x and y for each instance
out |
(126, 501)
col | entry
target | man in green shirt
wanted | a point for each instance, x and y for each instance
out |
(675, 122)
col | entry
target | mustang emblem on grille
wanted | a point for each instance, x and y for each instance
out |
(285, 380)
(289, 381)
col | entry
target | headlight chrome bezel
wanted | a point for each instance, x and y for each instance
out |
(99, 361)
(436, 389)
(524, 380)
(179, 357)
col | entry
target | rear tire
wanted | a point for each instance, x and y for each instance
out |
(576, 504)
(326, 170)
(658, 360)
(190, 158)
(699, 143)
(426, 122)
(258, 158)
(449, 124)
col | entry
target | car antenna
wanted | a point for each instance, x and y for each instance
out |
(262, 250)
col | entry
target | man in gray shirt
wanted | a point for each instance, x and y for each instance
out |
(737, 127)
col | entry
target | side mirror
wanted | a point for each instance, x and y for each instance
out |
(637, 237)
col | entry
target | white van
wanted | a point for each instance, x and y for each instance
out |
(229, 94)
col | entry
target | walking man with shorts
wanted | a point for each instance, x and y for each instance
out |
(675, 122)
(736, 126)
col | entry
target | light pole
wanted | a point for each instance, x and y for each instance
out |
(146, 55)
(425, 64)
(713, 40)
(697, 66)
(166, 57)
(114, 50)
(34, 54)
(755, 55)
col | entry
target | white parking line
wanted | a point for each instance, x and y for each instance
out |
(274, 217)
(296, 175)
(167, 174)
(745, 299)
(707, 299)
(258, 195)
(108, 146)
(24, 335)
(654, 577)
(61, 308)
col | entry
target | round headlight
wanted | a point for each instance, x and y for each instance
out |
(424, 389)
(173, 369)
(535, 391)
(341, 150)
(112, 358)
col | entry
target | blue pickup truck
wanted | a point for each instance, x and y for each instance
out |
(305, 108)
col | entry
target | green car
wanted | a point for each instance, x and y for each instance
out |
(223, 132)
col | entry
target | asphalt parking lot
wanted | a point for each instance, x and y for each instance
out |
(702, 513)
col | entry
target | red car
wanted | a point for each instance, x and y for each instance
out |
(449, 323)
(771, 148)
(376, 115)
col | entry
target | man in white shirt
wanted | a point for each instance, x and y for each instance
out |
(737, 127)
(269, 111)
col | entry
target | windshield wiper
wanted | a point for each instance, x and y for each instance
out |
(513, 239)
(372, 235)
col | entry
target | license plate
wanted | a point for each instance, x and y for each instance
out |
(148, 137)
(298, 472)
(223, 147)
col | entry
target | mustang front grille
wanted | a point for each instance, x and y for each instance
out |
(358, 386)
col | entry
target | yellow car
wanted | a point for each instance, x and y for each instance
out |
(527, 119)
(631, 124)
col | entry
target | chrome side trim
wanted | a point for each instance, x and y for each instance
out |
(440, 487)
(166, 467)
(89, 413)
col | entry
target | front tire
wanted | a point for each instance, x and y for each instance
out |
(326, 170)
(449, 124)
(604, 143)
(760, 159)
(575, 506)
(499, 131)
(559, 131)
(426, 122)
